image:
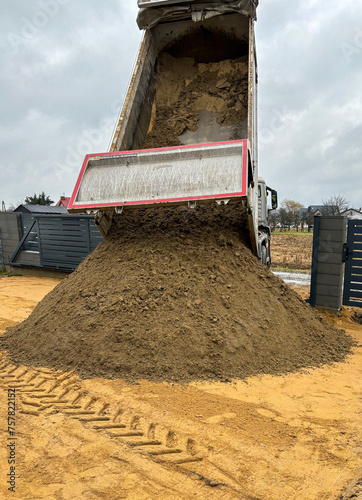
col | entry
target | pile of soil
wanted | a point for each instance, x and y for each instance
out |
(176, 295)
(185, 88)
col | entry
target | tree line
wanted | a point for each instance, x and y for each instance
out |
(291, 213)
(35, 199)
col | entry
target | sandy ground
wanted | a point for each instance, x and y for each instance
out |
(291, 437)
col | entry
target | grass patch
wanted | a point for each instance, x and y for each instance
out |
(286, 233)
(7, 274)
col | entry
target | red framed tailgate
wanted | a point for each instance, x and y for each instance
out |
(174, 175)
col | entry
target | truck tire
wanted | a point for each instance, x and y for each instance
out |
(263, 255)
(269, 256)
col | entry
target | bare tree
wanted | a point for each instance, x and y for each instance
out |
(334, 205)
(307, 219)
(273, 219)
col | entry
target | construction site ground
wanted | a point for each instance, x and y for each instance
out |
(268, 437)
(292, 250)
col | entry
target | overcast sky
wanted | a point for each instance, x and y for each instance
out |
(66, 65)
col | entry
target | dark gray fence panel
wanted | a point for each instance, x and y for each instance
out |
(32, 241)
(352, 292)
(95, 235)
(62, 243)
(10, 227)
(2, 263)
(66, 240)
(327, 264)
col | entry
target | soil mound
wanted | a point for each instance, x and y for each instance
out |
(175, 295)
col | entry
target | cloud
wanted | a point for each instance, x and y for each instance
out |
(310, 106)
(66, 65)
(62, 83)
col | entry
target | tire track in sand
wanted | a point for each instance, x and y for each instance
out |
(43, 391)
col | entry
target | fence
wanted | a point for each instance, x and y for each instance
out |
(32, 242)
(2, 263)
(54, 242)
(352, 293)
(327, 267)
(337, 264)
(65, 241)
(10, 233)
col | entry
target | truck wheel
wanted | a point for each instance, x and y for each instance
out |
(263, 254)
(269, 257)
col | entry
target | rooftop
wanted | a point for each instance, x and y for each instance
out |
(41, 209)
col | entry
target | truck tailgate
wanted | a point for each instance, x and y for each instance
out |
(175, 175)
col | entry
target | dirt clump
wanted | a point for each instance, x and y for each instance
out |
(357, 317)
(175, 295)
(206, 99)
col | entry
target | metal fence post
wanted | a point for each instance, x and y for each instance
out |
(327, 263)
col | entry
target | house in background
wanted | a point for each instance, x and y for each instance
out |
(306, 215)
(315, 210)
(63, 202)
(353, 213)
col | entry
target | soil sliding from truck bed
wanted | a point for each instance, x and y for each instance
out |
(175, 295)
(186, 91)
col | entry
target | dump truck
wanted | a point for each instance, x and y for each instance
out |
(187, 133)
